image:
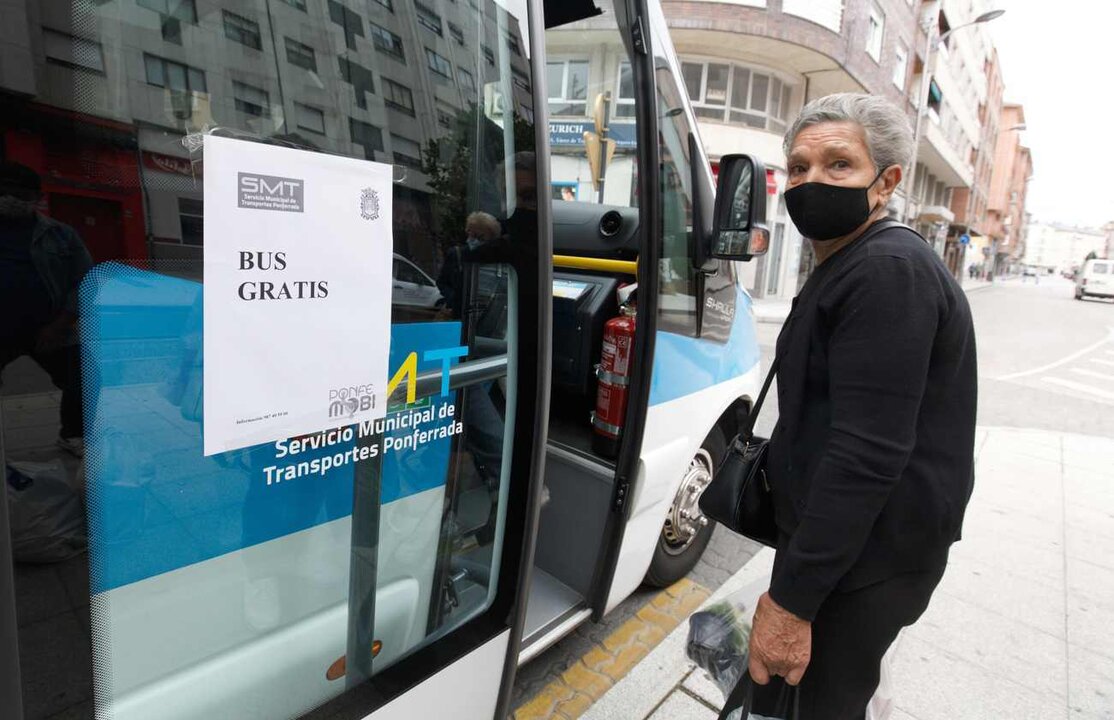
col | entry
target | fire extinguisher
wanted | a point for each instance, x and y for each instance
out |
(613, 379)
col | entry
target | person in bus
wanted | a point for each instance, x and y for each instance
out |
(42, 263)
(871, 461)
(479, 228)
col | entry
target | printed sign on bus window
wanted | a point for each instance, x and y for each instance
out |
(298, 249)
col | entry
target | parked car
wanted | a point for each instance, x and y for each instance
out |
(1095, 279)
(412, 287)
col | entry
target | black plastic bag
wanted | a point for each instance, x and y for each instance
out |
(718, 642)
(751, 701)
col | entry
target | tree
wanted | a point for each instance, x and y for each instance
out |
(462, 166)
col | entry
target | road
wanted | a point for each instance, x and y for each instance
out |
(1046, 361)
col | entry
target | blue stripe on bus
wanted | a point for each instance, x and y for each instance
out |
(155, 502)
(685, 365)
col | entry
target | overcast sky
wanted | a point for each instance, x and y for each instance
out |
(1057, 59)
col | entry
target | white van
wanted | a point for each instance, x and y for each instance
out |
(1095, 279)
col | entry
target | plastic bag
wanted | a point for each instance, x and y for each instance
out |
(717, 643)
(775, 701)
(47, 521)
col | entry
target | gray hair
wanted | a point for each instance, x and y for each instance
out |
(889, 134)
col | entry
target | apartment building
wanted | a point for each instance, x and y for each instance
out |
(1013, 167)
(1055, 248)
(750, 65)
(161, 73)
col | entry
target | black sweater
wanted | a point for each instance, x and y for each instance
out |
(871, 462)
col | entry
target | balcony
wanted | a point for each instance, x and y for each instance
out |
(941, 158)
(937, 213)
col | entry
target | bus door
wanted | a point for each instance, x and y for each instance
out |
(627, 182)
(633, 202)
(696, 354)
(353, 570)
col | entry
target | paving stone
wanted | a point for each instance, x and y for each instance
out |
(699, 684)
(588, 682)
(574, 707)
(680, 706)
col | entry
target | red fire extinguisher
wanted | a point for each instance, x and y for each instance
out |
(613, 380)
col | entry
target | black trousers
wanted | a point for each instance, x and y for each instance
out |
(63, 365)
(850, 635)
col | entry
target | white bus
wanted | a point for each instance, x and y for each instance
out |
(402, 568)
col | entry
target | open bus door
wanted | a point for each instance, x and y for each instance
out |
(639, 212)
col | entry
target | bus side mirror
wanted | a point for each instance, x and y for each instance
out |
(738, 227)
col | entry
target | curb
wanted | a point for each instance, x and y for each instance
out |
(779, 318)
(602, 667)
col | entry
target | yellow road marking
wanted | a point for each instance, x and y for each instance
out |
(585, 682)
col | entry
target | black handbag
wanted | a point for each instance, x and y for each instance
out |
(739, 496)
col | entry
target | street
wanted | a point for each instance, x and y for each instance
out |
(1046, 363)
(1046, 360)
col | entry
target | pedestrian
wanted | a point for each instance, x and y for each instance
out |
(871, 461)
(479, 228)
(42, 263)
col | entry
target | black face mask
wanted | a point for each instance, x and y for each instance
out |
(825, 212)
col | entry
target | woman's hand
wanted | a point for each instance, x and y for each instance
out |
(780, 643)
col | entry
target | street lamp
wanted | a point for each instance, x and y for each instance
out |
(932, 45)
(985, 17)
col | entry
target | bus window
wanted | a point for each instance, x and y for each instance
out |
(586, 79)
(232, 585)
(678, 277)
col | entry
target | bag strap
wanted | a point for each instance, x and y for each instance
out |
(741, 694)
(737, 696)
(746, 433)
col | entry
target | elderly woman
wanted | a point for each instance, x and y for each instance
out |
(871, 462)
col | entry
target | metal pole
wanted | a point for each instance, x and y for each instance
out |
(971, 196)
(922, 102)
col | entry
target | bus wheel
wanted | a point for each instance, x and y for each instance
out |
(686, 531)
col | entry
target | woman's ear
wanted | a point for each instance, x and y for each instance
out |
(890, 179)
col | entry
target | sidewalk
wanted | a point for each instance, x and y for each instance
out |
(1020, 625)
(775, 310)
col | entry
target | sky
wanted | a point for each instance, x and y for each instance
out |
(1057, 59)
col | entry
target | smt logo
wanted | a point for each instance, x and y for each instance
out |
(369, 204)
(270, 192)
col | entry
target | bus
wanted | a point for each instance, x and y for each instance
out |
(568, 348)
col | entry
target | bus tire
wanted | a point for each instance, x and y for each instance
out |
(683, 539)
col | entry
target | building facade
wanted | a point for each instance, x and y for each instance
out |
(969, 245)
(348, 78)
(750, 65)
(1056, 248)
(1007, 220)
